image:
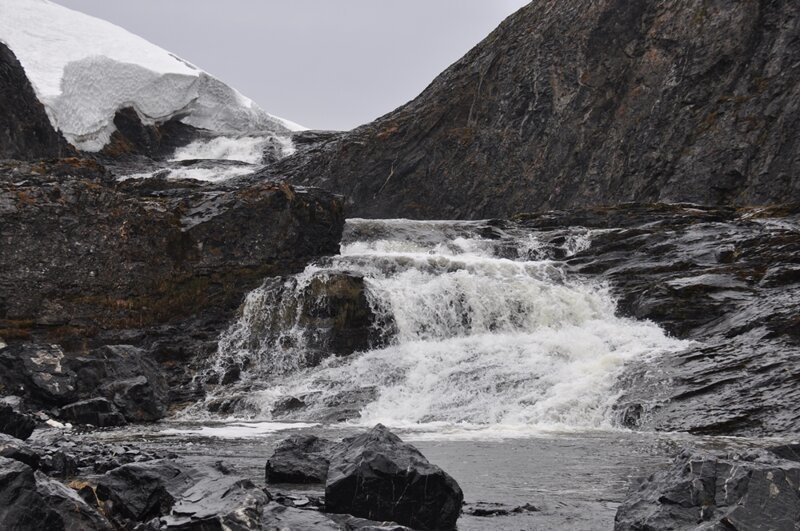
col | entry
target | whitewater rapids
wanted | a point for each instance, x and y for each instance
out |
(489, 331)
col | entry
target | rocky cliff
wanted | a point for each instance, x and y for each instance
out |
(25, 131)
(162, 265)
(582, 102)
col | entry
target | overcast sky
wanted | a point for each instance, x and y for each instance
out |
(326, 64)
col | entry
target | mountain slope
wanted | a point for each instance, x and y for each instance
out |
(583, 102)
(85, 70)
(25, 132)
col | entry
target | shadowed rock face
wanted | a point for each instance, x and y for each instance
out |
(578, 103)
(25, 130)
(84, 254)
(89, 261)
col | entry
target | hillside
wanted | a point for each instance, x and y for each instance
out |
(579, 103)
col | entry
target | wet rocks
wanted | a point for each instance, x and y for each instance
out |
(699, 273)
(94, 411)
(15, 423)
(25, 130)
(30, 500)
(140, 492)
(756, 490)
(125, 376)
(300, 459)
(377, 476)
(218, 502)
(160, 266)
(12, 448)
(579, 103)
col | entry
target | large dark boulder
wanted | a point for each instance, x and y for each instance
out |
(127, 377)
(172, 495)
(30, 500)
(38, 372)
(300, 459)
(15, 423)
(25, 130)
(13, 448)
(377, 476)
(584, 102)
(748, 492)
(140, 492)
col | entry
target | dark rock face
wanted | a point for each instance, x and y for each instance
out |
(155, 264)
(300, 459)
(30, 500)
(377, 476)
(169, 495)
(12, 448)
(25, 130)
(147, 256)
(701, 490)
(15, 423)
(330, 310)
(127, 377)
(132, 138)
(105, 387)
(579, 103)
(700, 273)
(140, 492)
(225, 502)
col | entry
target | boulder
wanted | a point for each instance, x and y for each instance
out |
(66, 510)
(140, 492)
(125, 376)
(218, 501)
(13, 448)
(701, 490)
(300, 459)
(94, 411)
(379, 477)
(60, 464)
(15, 423)
(31, 500)
(38, 371)
(20, 505)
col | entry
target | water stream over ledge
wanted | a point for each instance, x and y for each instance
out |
(479, 327)
(484, 350)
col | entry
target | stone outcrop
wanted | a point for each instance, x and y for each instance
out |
(579, 103)
(25, 130)
(754, 490)
(377, 476)
(31, 500)
(300, 459)
(720, 276)
(153, 264)
(87, 254)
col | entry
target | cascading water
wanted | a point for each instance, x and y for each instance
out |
(478, 324)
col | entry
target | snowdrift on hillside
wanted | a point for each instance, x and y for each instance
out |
(85, 69)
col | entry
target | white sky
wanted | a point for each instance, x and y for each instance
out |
(326, 64)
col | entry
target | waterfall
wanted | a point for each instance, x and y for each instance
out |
(472, 324)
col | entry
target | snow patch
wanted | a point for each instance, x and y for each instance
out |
(84, 70)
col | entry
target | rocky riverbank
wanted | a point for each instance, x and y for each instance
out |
(375, 482)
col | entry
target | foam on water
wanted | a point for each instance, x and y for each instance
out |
(489, 332)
